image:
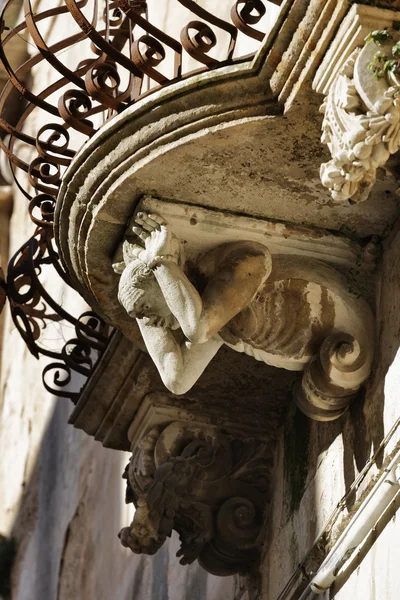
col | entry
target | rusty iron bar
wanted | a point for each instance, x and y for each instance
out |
(33, 308)
(125, 46)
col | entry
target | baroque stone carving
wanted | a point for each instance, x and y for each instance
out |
(290, 312)
(361, 125)
(208, 486)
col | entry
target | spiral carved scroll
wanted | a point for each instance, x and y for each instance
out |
(332, 379)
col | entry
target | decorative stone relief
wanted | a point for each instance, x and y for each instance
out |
(211, 487)
(361, 123)
(288, 311)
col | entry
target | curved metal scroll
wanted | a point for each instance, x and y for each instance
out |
(126, 46)
(33, 308)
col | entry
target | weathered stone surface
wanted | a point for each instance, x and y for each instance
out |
(317, 467)
(108, 404)
(315, 464)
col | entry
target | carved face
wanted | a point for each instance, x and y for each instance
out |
(141, 296)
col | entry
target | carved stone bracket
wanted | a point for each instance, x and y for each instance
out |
(210, 486)
(242, 281)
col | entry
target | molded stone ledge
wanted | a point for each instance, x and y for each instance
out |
(112, 396)
(234, 389)
(357, 24)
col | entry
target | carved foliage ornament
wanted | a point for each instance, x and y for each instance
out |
(208, 486)
(361, 123)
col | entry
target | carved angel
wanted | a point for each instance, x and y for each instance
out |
(281, 315)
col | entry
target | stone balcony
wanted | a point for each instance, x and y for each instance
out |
(230, 154)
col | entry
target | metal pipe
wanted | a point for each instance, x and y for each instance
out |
(365, 520)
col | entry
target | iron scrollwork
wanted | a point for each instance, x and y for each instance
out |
(126, 46)
(33, 308)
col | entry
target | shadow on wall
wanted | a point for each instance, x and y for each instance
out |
(69, 514)
(317, 463)
(66, 529)
(370, 419)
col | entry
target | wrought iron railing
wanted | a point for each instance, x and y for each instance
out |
(122, 55)
(33, 308)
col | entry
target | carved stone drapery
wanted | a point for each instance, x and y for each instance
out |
(210, 486)
(361, 138)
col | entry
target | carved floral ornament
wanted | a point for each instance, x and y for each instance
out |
(361, 123)
(286, 311)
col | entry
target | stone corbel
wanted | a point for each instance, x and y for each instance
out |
(209, 486)
(299, 313)
(361, 126)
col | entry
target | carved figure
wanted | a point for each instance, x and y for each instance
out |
(289, 312)
(157, 506)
